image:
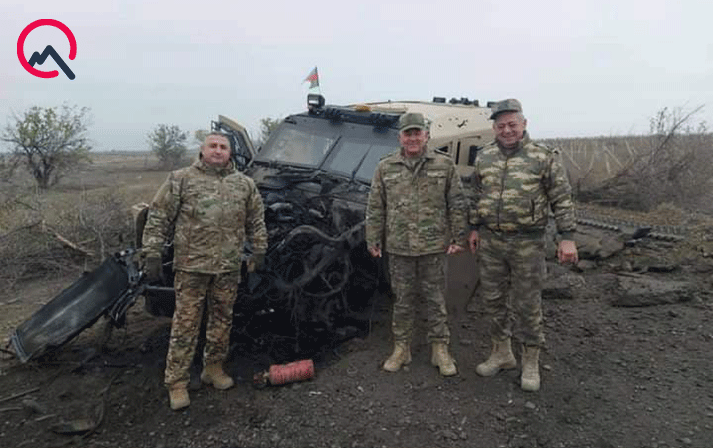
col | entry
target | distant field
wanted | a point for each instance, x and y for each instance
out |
(91, 208)
(594, 159)
(133, 170)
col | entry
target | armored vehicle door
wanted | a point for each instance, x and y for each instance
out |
(243, 151)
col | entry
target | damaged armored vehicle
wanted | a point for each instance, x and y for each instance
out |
(314, 172)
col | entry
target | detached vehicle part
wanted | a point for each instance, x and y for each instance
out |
(108, 290)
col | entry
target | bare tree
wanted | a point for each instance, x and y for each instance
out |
(672, 165)
(48, 141)
(169, 144)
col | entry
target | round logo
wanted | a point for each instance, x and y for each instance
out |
(40, 58)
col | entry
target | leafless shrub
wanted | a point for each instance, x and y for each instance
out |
(60, 233)
(672, 164)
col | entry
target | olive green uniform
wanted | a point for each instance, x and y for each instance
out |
(515, 189)
(416, 208)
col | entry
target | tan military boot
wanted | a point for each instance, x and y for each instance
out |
(442, 359)
(178, 396)
(213, 374)
(501, 357)
(530, 379)
(400, 357)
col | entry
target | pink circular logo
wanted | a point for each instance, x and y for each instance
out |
(48, 51)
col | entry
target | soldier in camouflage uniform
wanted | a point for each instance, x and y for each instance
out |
(212, 208)
(517, 183)
(416, 201)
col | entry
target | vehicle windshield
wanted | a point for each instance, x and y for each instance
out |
(295, 146)
(357, 157)
(347, 149)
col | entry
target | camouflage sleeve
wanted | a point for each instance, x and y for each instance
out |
(162, 214)
(559, 193)
(457, 207)
(255, 221)
(376, 212)
(474, 191)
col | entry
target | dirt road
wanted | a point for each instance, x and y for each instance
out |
(639, 375)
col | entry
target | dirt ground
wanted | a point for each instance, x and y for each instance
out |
(625, 366)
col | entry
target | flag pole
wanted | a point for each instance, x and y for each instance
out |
(319, 87)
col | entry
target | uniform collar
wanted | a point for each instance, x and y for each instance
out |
(218, 171)
(426, 154)
(512, 151)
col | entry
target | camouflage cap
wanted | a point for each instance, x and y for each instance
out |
(508, 105)
(412, 120)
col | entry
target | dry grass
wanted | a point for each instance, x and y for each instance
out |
(90, 208)
(595, 159)
(76, 224)
(641, 172)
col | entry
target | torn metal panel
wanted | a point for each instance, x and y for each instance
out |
(107, 289)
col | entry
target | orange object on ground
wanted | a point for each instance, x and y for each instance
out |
(285, 373)
(294, 371)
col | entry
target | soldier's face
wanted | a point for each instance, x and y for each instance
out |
(413, 141)
(509, 128)
(216, 150)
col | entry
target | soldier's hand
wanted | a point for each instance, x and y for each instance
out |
(153, 269)
(567, 252)
(454, 249)
(473, 241)
(257, 261)
(375, 251)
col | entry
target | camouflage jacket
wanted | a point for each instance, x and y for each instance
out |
(212, 211)
(514, 193)
(412, 211)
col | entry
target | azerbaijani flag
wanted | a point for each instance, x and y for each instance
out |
(313, 78)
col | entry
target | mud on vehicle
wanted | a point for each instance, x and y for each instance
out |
(314, 173)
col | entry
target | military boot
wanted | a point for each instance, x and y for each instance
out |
(530, 379)
(214, 374)
(178, 396)
(400, 357)
(501, 357)
(442, 359)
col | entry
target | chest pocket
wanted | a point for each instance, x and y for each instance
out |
(437, 178)
(190, 201)
(532, 183)
(490, 183)
(392, 181)
(210, 208)
(235, 202)
(203, 201)
(390, 177)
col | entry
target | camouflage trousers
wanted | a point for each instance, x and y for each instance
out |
(193, 292)
(412, 277)
(512, 271)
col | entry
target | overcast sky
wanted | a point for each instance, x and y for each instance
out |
(580, 68)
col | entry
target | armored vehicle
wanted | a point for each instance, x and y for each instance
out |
(314, 174)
